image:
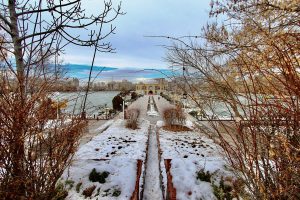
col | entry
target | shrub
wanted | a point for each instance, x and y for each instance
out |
(117, 103)
(180, 116)
(174, 116)
(89, 191)
(134, 95)
(124, 92)
(218, 192)
(98, 176)
(169, 116)
(116, 193)
(204, 176)
(132, 116)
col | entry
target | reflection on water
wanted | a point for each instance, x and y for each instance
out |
(94, 101)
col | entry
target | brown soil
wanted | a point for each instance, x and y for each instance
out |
(176, 128)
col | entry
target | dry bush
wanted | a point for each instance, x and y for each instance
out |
(169, 116)
(264, 151)
(174, 118)
(34, 156)
(132, 116)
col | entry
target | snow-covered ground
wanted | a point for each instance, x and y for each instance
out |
(161, 104)
(116, 151)
(190, 152)
(141, 104)
(94, 128)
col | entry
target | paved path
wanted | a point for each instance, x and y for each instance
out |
(152, 190)
(141, 104)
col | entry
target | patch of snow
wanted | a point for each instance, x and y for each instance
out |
(152, 113)
(189, 124)
(160, 123)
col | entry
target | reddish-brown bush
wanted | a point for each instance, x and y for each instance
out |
(174, 116)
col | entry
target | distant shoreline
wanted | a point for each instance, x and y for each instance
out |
(70, 91)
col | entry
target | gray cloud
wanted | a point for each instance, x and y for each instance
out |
(144, 17)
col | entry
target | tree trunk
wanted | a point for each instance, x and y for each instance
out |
(18, 126)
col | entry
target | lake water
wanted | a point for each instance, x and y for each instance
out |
(94, 101)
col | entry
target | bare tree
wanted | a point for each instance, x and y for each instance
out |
(35, 150)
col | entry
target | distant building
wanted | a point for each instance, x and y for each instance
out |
(154, 87)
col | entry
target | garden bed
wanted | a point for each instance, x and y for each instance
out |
(114, 153)
(176, 128)
(197, 167)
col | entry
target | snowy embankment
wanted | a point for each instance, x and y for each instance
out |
(191, 152)
(113, 153)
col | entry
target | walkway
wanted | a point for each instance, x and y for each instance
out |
(152, 188)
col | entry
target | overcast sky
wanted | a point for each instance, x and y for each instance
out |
(142, 18)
